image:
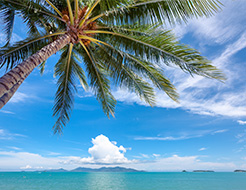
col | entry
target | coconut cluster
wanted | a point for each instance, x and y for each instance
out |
(74, 30)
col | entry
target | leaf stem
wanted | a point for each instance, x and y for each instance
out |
(54, 7)
(70, 12)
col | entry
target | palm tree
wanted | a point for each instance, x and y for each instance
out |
(117, 41)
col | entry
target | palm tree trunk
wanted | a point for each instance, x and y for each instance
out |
(10, 82)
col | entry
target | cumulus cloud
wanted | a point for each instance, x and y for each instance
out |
(103, 151)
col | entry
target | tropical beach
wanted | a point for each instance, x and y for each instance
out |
(122, 94)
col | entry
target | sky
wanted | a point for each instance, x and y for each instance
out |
(206, 130)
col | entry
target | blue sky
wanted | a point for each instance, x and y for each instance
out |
(207, 130)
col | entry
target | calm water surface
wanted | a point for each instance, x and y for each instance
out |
(122, 181)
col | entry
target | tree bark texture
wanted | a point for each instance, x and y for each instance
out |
(10, 82)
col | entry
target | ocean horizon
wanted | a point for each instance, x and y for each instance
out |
(122, 181)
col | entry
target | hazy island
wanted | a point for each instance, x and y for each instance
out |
(239, 170)
(103, 169)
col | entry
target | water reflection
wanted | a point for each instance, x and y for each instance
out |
(105, 181)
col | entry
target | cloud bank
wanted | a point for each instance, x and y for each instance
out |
(104, 153)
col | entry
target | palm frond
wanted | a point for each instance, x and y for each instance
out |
(109, 5)
(70, 12)
(8, 16)
(32, 13)
(54, 7)
(122, 72)
(99, 81)
(67, 69)
(88, 13)
(161, 11)
(116, 60)
(14, 54)
(162, 47)
(76, 8)
(42, 67)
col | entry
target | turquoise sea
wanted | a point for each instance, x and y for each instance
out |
(122, 181)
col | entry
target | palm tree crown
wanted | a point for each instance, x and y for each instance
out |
(114, 41)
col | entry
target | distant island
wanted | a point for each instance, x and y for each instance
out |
(103, 169)
(240, 171)
(203, 171)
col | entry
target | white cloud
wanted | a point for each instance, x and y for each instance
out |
(241, 122)
(178, 163)
(144, 155)
(54, 154)
(220, 131)
(17, 160)
(186, 136)
(165, 138)
(5, 135)
(26, 167)
(14, 148)
(219, 28)
(7, 112)
(19, 97)
(241, 137)
(103, 151)
(202, 149)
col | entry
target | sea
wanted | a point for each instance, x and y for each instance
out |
(122, 181)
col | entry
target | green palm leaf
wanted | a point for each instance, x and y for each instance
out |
(117, 64)
(98, 81)
(8, 16)
(67, 69)
(162, 47)
(156, 11)
(32, 13)
(14, 54)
